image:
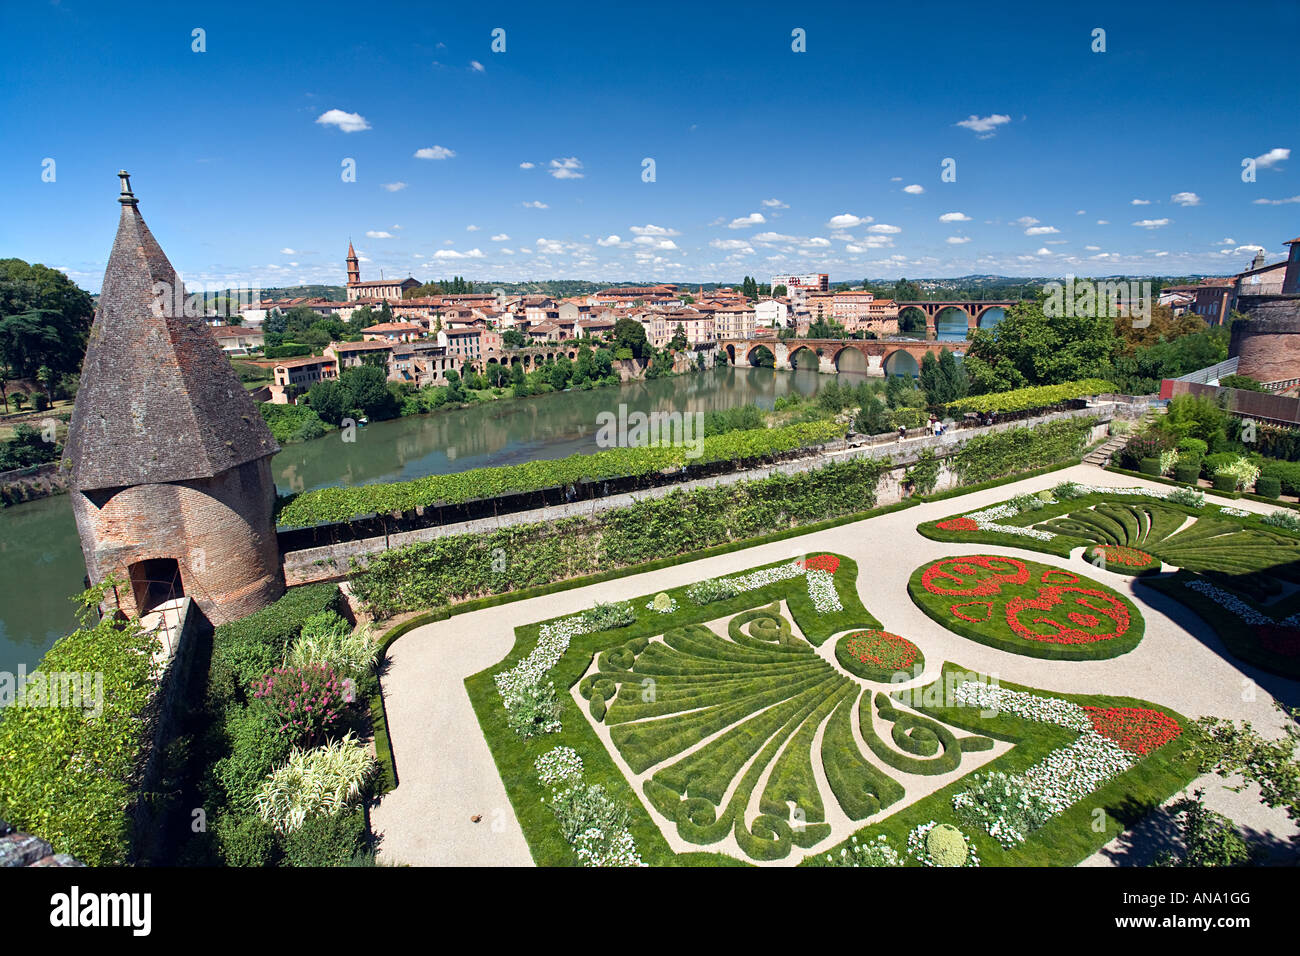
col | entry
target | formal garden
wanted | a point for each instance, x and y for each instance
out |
(1235, 568)
(766, 717)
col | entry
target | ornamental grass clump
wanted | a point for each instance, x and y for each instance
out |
(1242, 471)
(304, 701)
(1186, 497)
(1004, 805)
(324, 780)
(328, 639)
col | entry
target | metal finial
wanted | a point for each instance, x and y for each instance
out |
(127, 198)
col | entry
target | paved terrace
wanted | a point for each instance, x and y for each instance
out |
(447, 774)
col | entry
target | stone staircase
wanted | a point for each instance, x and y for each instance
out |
(1100, 456)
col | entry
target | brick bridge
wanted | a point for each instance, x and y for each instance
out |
(973, 310)
(877, 356)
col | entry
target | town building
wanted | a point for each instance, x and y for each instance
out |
(382, 289)
(811, 281)
(238, 339)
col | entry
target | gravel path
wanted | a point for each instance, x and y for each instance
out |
(447, 776)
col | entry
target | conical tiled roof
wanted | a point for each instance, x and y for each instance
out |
(158, 400)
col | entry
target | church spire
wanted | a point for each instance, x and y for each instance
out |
(354, 265)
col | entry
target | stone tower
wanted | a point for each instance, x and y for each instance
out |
(171, 461)
(354, 266)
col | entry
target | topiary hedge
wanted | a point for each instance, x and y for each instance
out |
(1149, 466)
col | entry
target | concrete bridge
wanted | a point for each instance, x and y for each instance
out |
(975, 312)
(872, 356)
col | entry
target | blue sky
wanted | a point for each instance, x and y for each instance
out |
(766, 160)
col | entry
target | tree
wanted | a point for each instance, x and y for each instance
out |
(678, 342)
(872, 417)
(369, 387)
(330, 400)
(630, 334)
(513, 339)
(905, 291)
(1029, 347)
(1226, 748)
(780, 291)
(1208, 838)
(20, 399)
(44, 318)
(28, 447)
(362, 318)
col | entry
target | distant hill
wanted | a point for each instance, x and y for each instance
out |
(335, 293)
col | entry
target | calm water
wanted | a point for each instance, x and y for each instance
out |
(40, 558)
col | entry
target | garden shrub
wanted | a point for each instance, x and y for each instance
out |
(304, 702)
(256, 747)
(1149, 466)
(66, 772)
(1187, 472)
(875, 852)
(997, 454)
(323, 780)
(1242, 470)
(532, 708)
(1283, 519)
(946, 845)
(1267, 486)
(246, 840)
(330, 640)
(1193, 448)
(1187, 496)
(710, 590)
(326, 839)
(1225, 481)
(1148, 444)
(1004, 805)
(244, 650)
(1286, 472)
(603, 616)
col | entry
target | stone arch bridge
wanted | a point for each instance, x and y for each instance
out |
(873, 356)
(975, 312)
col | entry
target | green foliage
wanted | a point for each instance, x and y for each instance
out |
(254, 747)
(447, 569)
(710, 590)
(246, 649)
(1024, 399)
(328, 639)
(1282, 519)
(66, 769)
(1195, 416)
(603, 617)
(532, 709)
(1141, 372)
(1243, 382)
(324, 780)
(1272, 762)
(286, 351)
(1208, 838)
(1030, 348)
(326, 840)
(1149, 466)
(996, 454)
(44, 319)
(28, 447)
(946, 846)
(292, 423)
(344, 503)
(923, 475)
(246, 840)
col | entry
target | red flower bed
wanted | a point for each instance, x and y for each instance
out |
(1279, 639)
(1092, 609)
(1121, 554)
(1136, 729)
(881, 650)
(823, 562)
(974, 576)
(957, 524)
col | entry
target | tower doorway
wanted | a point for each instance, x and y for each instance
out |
(155, 581)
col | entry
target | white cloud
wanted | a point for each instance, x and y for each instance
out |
(394, 187)
(731, 245)
(1026, 221)
(500, 237)
(957, 240)
(1274, 156)
(566, 168)
(772, 237)
(535, 204)
(476, 66)
(286, 251)
(1081, 212)
(434, 152)
(652, 230)
(1241, 249)
(914, 189)
(1186, 199)
(377, 234)
(471, 228)
(1139, 202)
(453, 254)
(954, 217)
(818, 241)
(1044, 251)
(1041, 231)
(347, 122)
(610, 241)
(846, 221)
(1151, 223)
(775, 204)
(655, 243)
(744, 222)
(1092, 248)
(1103, 222)
(984, 126)
(1227, 242)
(885, 228)
(1277, 202)
(527, 165)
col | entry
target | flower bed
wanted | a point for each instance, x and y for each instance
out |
(1026, 607)
(878, 655)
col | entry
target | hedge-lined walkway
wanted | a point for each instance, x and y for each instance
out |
(447, 776)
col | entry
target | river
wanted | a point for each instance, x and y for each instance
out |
(40, 558)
